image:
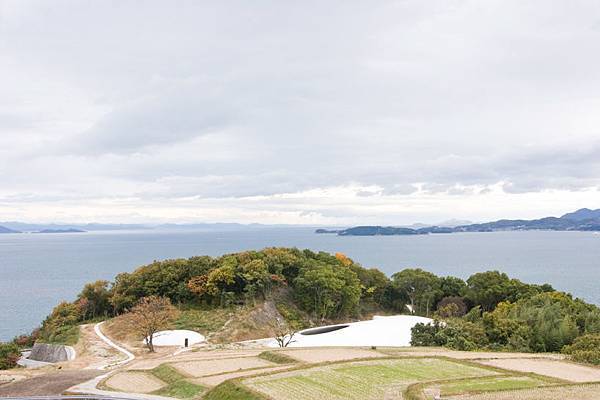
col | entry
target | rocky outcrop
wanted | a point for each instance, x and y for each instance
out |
(51, 353)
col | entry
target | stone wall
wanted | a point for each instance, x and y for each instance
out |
(51, 352)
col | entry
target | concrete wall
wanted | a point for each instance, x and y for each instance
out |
(51, 353)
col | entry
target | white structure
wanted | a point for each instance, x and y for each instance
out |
(177, 338)
(393, 331)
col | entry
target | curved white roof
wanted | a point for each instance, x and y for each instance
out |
(392, 331)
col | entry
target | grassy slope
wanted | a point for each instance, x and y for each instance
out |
(232, 390)
(202, 320)
(489, 384)
(177, 385)
(277, 357)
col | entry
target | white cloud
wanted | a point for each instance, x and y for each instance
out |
(337, 112)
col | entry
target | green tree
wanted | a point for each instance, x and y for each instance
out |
(487, 289)
(63, 317)
(95, 298)
(328, 291)
(419, 288)
(452, 286)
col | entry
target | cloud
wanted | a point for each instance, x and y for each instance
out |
(315, 111)
(175, 117)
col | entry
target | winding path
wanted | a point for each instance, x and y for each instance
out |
(130, 356)
(90, 387)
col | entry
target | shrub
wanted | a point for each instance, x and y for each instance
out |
(9, 355)
(456, 334)
(585, 349)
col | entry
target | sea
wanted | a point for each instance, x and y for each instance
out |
(37, 271)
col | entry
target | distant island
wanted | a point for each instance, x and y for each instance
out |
(4, 229)
(71, 230)
(580, 220)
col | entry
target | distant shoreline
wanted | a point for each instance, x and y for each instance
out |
(583, 220)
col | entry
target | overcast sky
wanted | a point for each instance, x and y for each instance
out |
(311, 112)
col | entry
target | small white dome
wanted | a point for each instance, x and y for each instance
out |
(176, 338)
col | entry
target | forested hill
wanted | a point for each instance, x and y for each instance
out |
(580, 220)
(488, 310)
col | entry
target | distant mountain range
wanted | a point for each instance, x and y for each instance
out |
(21, 227)
(70, 230)
(580, 220)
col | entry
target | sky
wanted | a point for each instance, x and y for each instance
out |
(313, 112)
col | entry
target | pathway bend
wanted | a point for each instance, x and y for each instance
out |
(105, 339)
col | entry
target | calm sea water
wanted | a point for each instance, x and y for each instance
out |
(38, 271)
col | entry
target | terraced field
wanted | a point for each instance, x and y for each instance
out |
(486, 384)
(570, 392)
(376, 379)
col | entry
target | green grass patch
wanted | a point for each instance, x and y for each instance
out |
(361, 380)
(488, 384)
(177, 385)
(232, 390)
(203, 321)
(277, 357)
(181, 389)
(167, 373)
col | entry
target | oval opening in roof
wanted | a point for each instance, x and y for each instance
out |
(325, 329)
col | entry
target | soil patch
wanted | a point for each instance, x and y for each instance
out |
(218, 379)
(556, 369)
(137, 382)
(211, 367)
(51, 384)
(320, 354)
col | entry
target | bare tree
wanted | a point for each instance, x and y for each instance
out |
(150, 315)
(284, 334)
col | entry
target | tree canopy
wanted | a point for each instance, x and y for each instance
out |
(489, 309)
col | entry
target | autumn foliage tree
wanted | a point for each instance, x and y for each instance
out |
(150, 315)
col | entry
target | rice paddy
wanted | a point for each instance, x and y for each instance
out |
(361, 380)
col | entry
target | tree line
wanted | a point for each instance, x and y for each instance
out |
(487, 310)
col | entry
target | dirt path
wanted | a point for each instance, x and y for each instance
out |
(51, 384)
(129, 356)
(92, 351)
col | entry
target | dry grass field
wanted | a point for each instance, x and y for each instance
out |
(201, 368)
(322, 354)
(136, 382)
(571, 392)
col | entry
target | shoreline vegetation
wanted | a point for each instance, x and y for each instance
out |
(302, 289)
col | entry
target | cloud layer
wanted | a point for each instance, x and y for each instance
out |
(334, 113)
